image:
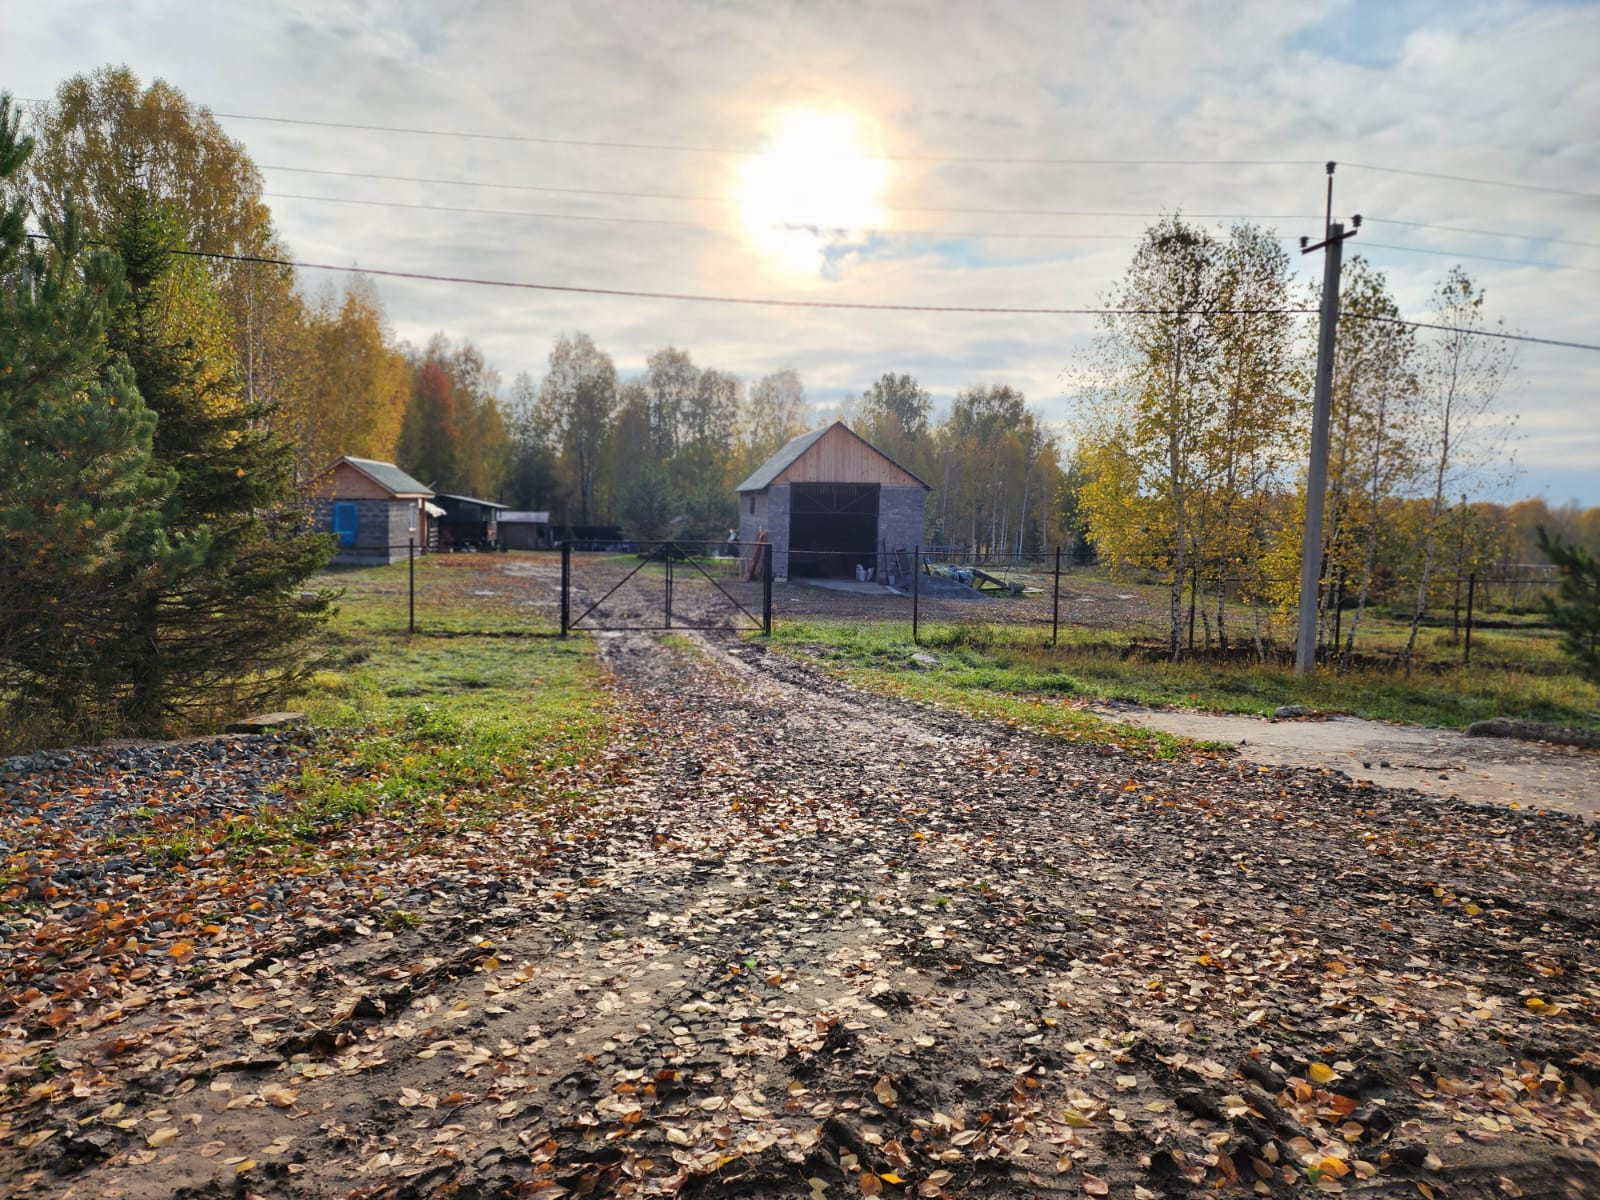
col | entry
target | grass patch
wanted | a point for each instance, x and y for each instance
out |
(969, 676)
(434, 734)
(1012, 673)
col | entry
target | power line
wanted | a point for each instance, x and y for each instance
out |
(856, 305)
(709, 199)
(1500, 183)
(1494, 233)
(853, 305)
(660, 221)
(1500, 335)
(614, 193)
(1494, 258)
(745, 151)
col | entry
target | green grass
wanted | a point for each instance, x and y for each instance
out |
(1010, 673)
(432, 732)
(971, 676)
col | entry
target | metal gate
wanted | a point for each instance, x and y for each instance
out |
(668, 585)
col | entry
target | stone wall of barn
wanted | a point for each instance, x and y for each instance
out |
(901, 516)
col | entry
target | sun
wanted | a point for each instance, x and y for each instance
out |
(813, 188)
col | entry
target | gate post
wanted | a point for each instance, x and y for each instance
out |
(1055, 601)
(667, 555)
(766, 593)
(1466, 650)
(916, 592)
(411, 585)
(566, 587)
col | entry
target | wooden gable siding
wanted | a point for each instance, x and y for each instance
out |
(346, 483)
(841, 457)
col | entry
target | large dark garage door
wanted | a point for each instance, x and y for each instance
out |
(833, 528)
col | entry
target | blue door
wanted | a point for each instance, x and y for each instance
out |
(344, 522)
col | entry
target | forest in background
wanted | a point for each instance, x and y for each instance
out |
(1181, 463)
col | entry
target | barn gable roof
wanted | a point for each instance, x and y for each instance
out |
(385, 475)
(795, 449)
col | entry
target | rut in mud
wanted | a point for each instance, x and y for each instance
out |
(815, 943)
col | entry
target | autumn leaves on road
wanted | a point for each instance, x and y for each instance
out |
(781, 938)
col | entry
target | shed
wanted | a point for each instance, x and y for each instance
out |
(374, 508)
(525, 530)
(831, 503)
(468, 523)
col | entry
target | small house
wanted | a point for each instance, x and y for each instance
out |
(375, 509)
(525, 530)
(468, 523)
(834, 506)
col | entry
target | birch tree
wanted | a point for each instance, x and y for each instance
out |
(1154, 405)
(1463, 376)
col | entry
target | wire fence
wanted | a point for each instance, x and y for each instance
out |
(936, 590)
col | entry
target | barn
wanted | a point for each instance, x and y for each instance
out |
(375, 509)
(832, 505)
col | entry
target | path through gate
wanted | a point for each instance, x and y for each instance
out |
(668, 585)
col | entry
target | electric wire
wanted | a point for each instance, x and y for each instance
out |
(977, 160)
(859, 305)
(1494, 258)
(709, 199)
(680, 224)
(1500, 183)
(965, 210)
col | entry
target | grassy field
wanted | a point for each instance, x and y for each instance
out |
(446, 726)
(1011, 672)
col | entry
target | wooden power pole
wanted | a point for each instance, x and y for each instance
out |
(1332, 246)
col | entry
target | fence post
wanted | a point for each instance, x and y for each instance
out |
(566, 587)
(916, 593)
(766, 591)
(1466, 650)
(1055, 602)
(411, 585)
(667, 554)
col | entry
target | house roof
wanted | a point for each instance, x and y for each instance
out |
(387, 475)
(524, 518)
(470, 500)
(791, 451)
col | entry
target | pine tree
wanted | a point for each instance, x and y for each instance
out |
(223, 624)
(1575, 608)
(79, 500)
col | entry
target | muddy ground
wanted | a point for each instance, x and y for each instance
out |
(816, 943)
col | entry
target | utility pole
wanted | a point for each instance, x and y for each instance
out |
(1332, 246)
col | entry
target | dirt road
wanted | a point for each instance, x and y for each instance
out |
(821, 944)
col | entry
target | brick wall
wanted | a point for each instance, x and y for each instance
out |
(901, 517)
(382, 529)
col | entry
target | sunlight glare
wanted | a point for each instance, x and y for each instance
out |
(814, 188)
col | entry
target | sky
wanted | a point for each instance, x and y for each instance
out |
(1002, 155)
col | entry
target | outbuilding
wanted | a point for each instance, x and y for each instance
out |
(468, 523)
(832, 505)
(525, 530)
(374, 508)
